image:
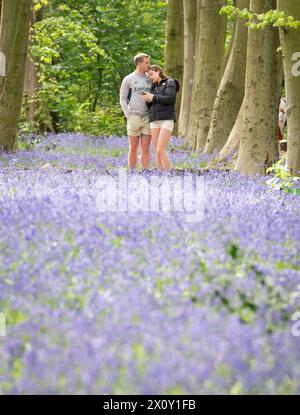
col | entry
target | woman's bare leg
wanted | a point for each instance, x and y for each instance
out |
(162, 144)
(154, 139)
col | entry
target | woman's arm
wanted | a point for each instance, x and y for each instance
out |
(169, 94)
(167, 98)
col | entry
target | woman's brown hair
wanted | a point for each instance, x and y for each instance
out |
(160, 70)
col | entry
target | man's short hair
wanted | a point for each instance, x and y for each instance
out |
(139, 58)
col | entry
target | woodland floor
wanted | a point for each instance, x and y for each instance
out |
(126, 302)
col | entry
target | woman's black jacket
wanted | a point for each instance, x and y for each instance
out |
(162, 106)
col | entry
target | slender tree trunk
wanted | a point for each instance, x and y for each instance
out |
(38, 113)
(98, 88)
(233, 142)
(231, 90)
(199, 9)
(31, 81)
(175, 47)
(190, 141)
(30, 90)
(190, 28)
(290, 42)
(14, 32)
(259, 140)
(208, 67)
(228, 50)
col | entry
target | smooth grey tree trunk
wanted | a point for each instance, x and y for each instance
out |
(14, 32)
(190, 29)
(290, 42)
(208, 68)
(174, 48)
(259, 138)
(232, 144)
(232, 88)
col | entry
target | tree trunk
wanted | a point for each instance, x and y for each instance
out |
(31, 82)
(231, 91)
(175, 48)
(290, 42)
(259, 138)
(14, 32)
(190, 28)
(190, 142)
(233, 142)
(30, 89)
(208, 67)
(38, 114)
(199, 8)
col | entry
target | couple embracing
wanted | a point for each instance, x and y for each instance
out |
(147, 98)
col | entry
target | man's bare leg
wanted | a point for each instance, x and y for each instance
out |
(133, 151)
(145, 145)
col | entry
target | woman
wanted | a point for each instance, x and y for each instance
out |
(162, 115)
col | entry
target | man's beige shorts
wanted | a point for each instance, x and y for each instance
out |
(137, 125)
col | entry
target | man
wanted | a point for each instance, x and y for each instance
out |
(136, 110)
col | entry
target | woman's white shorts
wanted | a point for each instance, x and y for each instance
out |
(167, 124)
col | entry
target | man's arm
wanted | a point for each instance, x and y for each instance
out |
(124, 90)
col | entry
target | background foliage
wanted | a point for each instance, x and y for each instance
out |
(82, 50)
